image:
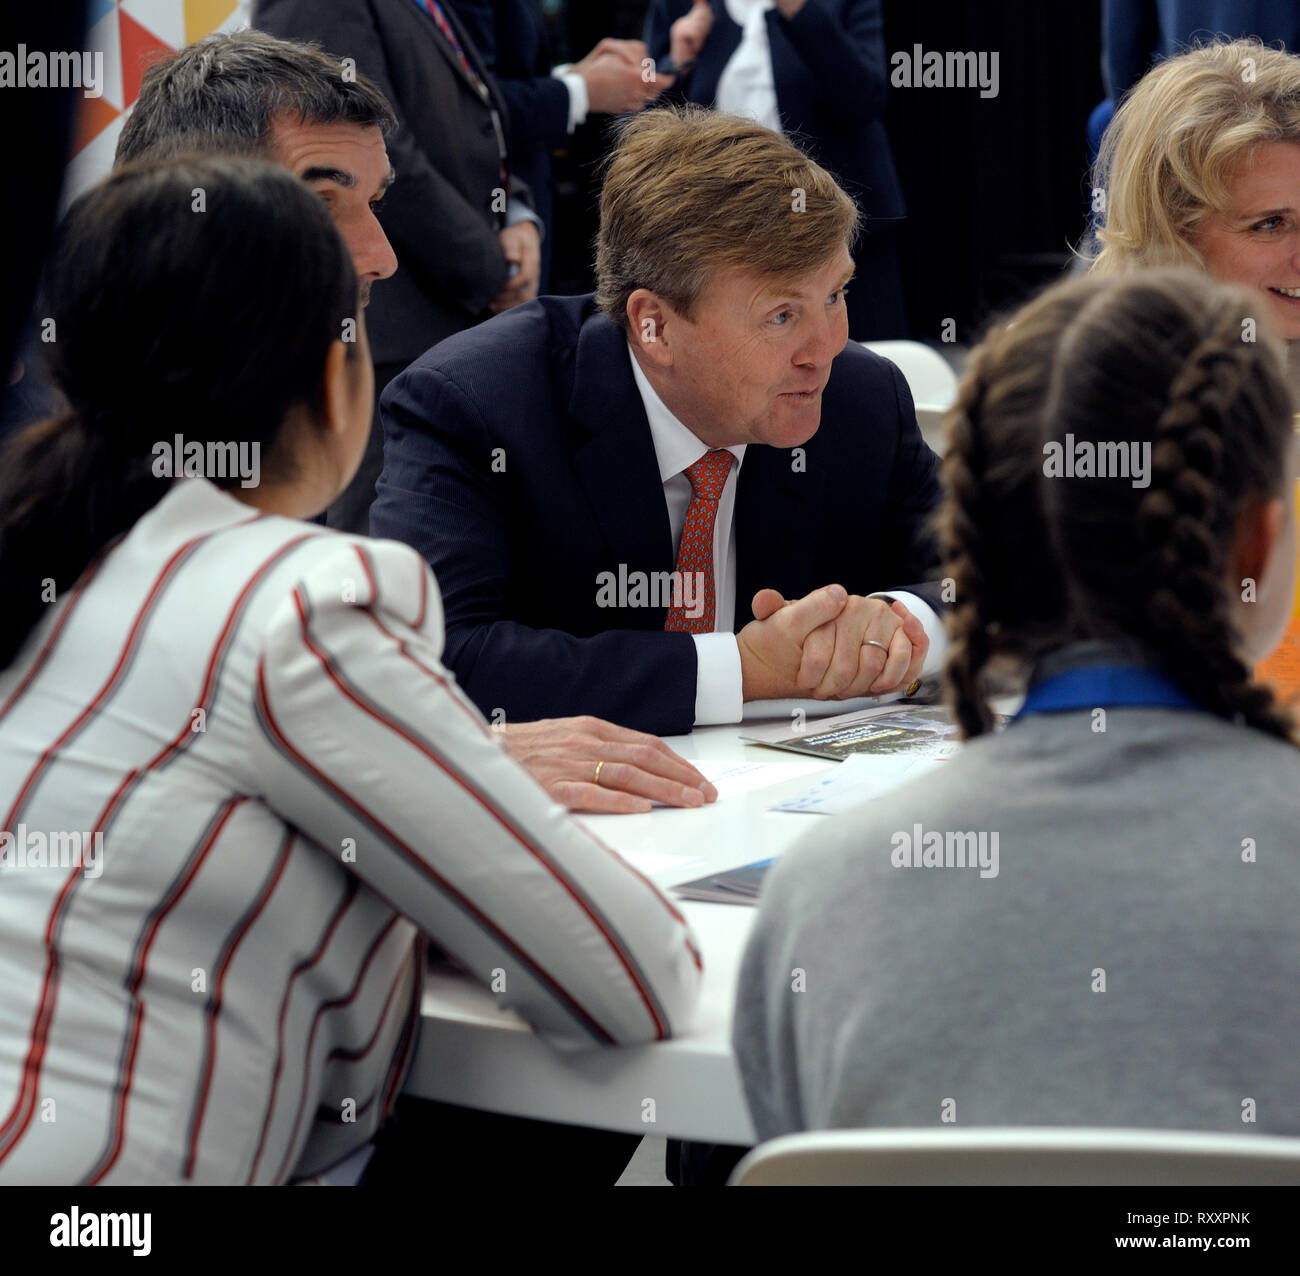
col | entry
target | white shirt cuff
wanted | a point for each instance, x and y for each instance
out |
(579, 103)
(719, 694)
(933, 625)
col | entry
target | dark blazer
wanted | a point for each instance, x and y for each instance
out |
(1136, 32)
(511, 36)
(438, 213)
(831, 74)
(518, 460)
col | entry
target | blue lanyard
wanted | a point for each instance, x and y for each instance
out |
(1104, 686)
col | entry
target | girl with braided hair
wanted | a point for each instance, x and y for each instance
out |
(1086, 918)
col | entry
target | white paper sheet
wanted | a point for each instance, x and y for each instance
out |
(863, 777)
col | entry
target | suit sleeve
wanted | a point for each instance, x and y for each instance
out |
(438, 493)
(369, 747)
(439, 237)
(914, 495)
(846, 54)
(538, 106)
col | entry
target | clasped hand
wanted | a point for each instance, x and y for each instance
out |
(823, 647)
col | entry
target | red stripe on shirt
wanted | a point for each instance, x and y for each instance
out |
(137, 979)
(349, 895)
(218, 998)
(485, 803)
(274, 730)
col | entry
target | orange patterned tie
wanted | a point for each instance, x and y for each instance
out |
(708, 476)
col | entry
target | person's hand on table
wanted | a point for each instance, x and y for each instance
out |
(592, 765)
(521, 245)
(687, 35)
(869, 647)
(771, 645)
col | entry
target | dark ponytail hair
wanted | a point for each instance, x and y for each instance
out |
(197, 297)
(1160, 358)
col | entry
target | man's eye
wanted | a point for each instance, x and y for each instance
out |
(839, 294)
(779, 320)
(1269, 223)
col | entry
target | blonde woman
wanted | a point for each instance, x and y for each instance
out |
(1201, 167)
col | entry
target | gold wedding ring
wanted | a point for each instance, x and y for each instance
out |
(596, 778)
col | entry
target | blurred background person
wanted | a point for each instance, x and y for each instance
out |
(1139, 32)
(547, 103)
(818, 72)
(462, 224)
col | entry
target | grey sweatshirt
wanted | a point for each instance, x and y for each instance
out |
(1134, 962)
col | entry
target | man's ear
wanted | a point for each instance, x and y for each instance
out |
(650, 321)
(337, 388)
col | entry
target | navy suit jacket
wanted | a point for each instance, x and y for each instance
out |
(518, 460)
(831, 75)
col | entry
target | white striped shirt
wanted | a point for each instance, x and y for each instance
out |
(291, 793)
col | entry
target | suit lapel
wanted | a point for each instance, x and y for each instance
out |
(466, 43)
(615, 458)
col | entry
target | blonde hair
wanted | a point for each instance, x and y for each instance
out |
(1169, 154)
(688, 191)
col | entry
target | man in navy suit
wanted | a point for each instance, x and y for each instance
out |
(605, 486)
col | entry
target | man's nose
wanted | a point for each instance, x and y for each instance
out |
(825, 340)
(372, 254)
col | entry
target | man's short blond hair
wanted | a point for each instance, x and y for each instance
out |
(688, 191)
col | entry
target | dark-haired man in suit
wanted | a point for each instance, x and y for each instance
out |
(462, 225)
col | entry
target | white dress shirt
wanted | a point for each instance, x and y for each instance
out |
(746, 86)
(719, 695)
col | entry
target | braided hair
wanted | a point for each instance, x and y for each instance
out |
(1154, 361)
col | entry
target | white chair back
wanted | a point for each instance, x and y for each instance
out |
(1006, 1157)
(930, 378)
